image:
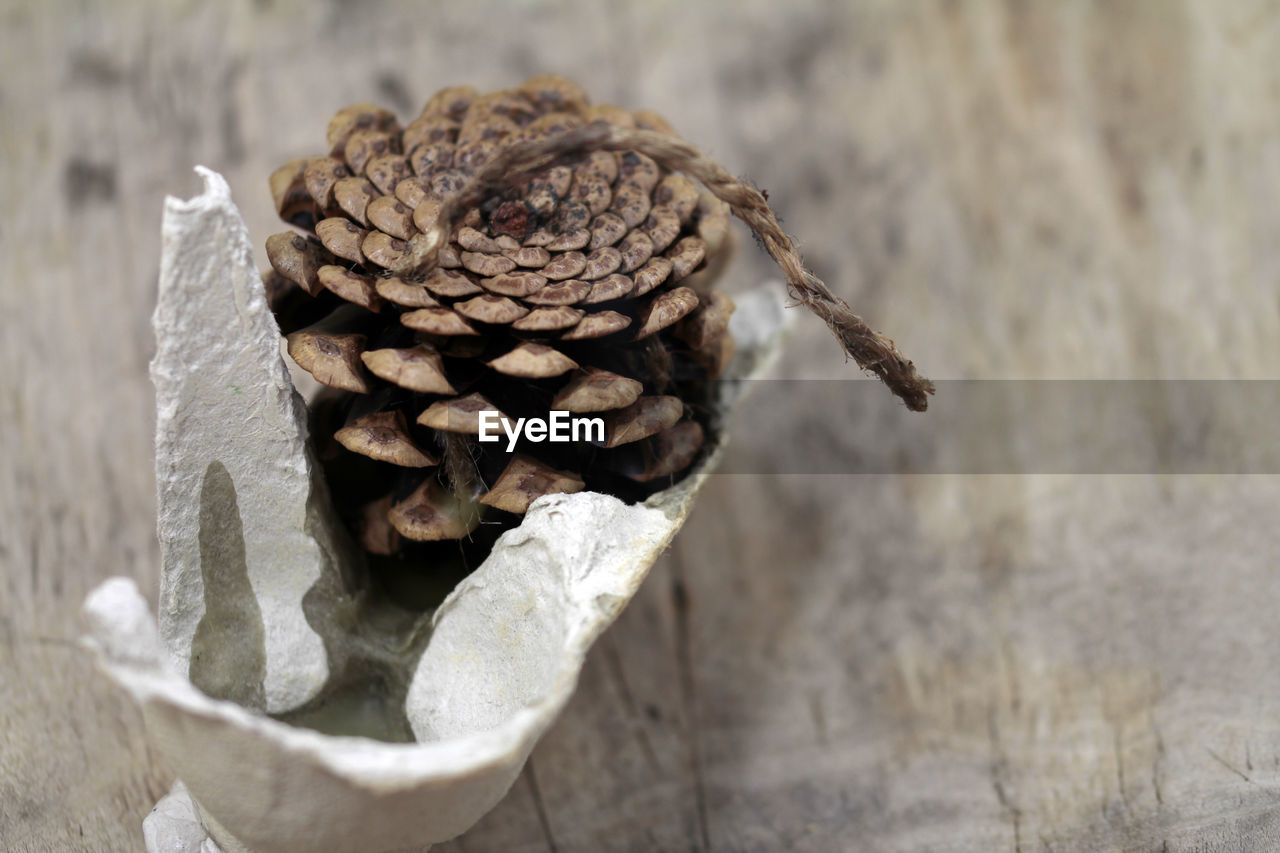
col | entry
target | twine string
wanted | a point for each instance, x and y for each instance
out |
(515, 165)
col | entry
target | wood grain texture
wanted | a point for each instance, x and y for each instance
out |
(966, 663)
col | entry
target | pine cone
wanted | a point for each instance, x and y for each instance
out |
(583, 286)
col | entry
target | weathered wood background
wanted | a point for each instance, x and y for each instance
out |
(971, 663)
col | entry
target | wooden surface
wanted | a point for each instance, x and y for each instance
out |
(967, 663)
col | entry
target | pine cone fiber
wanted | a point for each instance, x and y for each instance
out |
(582, 285)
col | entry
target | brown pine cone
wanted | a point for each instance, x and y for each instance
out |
(583, 287)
